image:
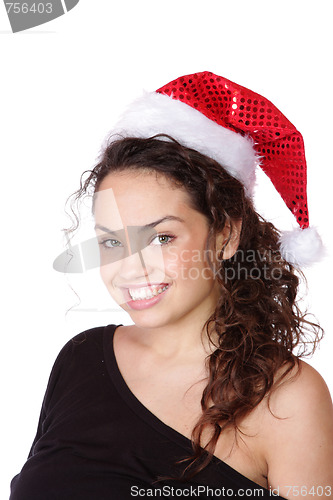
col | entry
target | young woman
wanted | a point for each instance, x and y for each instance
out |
(205, 394)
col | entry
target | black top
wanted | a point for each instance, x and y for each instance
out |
(95, 440)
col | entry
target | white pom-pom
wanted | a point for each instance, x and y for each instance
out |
(302, 247)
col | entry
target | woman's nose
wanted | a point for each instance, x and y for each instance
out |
(133, 267)
(147, 263)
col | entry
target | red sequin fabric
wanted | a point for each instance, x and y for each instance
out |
(277, 142)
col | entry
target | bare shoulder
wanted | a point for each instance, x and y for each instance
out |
(299, 434)
(301, 390)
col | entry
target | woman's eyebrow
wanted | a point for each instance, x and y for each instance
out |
(106, 230)
(159, 221)
(146, 226)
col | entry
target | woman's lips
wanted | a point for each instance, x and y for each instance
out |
(141, 296)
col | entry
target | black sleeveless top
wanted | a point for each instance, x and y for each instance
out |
(95, 440)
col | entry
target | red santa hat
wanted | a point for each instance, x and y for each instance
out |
(241, 130)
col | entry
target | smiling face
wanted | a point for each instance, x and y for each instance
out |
(153, 249)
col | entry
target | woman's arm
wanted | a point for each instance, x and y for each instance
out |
(299, 444)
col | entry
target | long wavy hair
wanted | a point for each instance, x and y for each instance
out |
(260, 329)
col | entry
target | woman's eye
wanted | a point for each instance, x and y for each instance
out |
(110, 243)
(162, 239)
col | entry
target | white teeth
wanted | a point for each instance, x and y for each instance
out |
(145, 293)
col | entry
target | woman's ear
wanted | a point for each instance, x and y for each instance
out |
(229, 238)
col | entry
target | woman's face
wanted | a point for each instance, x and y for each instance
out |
(152, 248)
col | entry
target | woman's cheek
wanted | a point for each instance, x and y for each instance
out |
(172, 271)
(108, 272)
(171, 254)
(178, 268)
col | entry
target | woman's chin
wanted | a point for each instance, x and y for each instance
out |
(149, 319)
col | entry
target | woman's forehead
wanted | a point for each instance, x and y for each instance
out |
(138, 177)
(137, 199)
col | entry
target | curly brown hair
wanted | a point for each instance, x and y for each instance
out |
(258, 323)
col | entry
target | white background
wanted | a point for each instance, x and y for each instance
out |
(62, 86)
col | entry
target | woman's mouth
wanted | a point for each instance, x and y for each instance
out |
(146, 296)
(146, 292)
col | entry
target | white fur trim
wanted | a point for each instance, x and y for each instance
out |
(302, 247)
(155, 113)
